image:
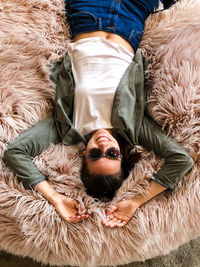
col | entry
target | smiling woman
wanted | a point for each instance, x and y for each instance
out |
(100, 100)
(105, 143)
(102, 169)
(29, 224)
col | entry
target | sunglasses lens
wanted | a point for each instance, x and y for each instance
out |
(113, 152)
(94, 153)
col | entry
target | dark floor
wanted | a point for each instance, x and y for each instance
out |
(187, 255)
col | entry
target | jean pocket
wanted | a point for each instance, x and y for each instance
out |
(81, 17)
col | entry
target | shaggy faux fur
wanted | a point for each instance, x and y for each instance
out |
(32, 35)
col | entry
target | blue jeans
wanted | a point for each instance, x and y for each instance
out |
(123, 17)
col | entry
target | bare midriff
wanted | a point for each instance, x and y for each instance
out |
(112, 37)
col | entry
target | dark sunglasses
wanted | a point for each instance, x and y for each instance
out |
(111, 153)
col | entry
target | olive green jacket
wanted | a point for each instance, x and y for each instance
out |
(128, 120)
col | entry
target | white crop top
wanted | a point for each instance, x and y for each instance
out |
(97, 66)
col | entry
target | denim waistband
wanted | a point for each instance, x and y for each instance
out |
(123, 17)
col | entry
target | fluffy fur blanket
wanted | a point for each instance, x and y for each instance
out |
(32, 35)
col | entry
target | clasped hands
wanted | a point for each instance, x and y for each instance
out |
(116, 216)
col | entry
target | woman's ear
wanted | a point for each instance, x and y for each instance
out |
(84, 153)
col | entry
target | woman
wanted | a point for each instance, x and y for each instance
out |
(100, 101)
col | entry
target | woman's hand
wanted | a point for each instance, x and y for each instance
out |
(67, 208)
(120, 214)
(124, 210)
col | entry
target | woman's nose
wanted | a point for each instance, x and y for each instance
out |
(103, 146)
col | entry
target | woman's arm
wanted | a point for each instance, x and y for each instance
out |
(124, 210)
(65, 206)
(177, 164)
(177, 160)
(20, 153)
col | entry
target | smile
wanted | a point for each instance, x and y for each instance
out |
(102, 138)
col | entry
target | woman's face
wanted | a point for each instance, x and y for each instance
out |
(102, 139)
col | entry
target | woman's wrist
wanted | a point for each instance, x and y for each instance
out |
(138, 201)
(53, 199)
(47, 191)
(154, 190)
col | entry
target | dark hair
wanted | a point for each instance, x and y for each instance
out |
(98, 185)
(105, 185)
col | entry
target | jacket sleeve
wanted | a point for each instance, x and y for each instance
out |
(29, 144)
(177, 161)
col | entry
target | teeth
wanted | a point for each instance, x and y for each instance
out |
(102, 138)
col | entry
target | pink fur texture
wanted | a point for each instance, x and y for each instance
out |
(32, 35)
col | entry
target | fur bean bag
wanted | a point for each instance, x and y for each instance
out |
(32, 36)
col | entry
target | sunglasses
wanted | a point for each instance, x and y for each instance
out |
(111, 153)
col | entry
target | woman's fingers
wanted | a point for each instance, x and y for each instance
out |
(110, 220)
(122, 223)
(115, 219)
(117, 223)
(114, 222)
(109, 217)
(121, 216)
(76, 218)
(111, 210)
